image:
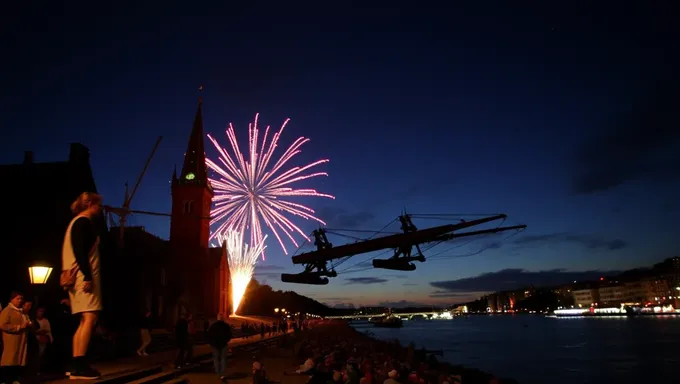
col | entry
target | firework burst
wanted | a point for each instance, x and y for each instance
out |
(242, 260)
(253, 192)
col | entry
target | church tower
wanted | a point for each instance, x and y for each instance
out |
(192, 194)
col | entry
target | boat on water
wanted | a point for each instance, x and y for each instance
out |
(389, 321)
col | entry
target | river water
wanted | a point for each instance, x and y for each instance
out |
(539, 350)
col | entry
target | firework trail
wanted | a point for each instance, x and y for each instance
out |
(253, 192)
(242, 260)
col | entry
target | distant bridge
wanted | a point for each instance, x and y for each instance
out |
(409, 315)
(433, 314)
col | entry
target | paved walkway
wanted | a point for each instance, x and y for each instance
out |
(165, 358)
(239, 371)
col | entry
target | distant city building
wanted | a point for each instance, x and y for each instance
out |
(657, 286)
(653, 290)
(491, 303)
(586, 297)
(613, 295)
(506, 300)
(656, 290)
(563, 291)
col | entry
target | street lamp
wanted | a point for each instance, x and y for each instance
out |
(39, 274)
(283, 310)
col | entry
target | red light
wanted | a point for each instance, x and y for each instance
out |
(601, 278)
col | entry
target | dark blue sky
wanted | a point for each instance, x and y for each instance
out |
(559, 116)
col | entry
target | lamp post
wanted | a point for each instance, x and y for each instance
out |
(39, 275)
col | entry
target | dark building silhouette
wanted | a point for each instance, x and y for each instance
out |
(135, 277)
(143, 272)
(36, 198)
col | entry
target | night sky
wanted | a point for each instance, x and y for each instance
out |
(563, 117)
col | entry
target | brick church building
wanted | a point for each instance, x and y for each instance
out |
(183, 274)
(200, 270)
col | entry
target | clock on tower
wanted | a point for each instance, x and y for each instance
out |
(192, 194)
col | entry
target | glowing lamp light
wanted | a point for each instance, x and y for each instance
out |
(276, 310)
(39, 274)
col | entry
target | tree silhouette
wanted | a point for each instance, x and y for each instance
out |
(261, 300)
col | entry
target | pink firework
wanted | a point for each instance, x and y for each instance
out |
(250, 193)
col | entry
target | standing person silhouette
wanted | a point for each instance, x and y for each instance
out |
(219, 335)
(80, 262)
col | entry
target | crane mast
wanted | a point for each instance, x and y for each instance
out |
(124, 211)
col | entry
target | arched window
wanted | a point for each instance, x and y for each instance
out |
(188, 207)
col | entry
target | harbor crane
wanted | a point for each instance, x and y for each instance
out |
(317, 272)
(124, 211)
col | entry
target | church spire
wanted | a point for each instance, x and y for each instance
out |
(194, 170)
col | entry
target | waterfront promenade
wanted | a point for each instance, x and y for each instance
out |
(163, 359)
(332, 345)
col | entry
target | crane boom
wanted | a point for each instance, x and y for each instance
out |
(451, 236)
(128, 197)
(141, 175)
(392, 241)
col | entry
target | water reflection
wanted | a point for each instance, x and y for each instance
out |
(536, 350)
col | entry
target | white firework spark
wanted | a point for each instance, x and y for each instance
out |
(251, 192)
(242, 259)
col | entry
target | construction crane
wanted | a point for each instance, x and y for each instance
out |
(124, 210)
(315, 263)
